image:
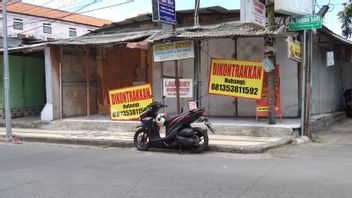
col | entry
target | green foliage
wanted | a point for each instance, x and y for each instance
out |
(345, 17)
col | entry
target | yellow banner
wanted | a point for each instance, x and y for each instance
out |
(236, 78)
(128, 103)
(294, 50)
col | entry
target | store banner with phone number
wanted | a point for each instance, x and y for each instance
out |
(262, 105)
(236, 78)
(129, 102)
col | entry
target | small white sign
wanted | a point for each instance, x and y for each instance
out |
(253, 11)
(173, 51)
(185, 87)
(192, 105)
(330, 58)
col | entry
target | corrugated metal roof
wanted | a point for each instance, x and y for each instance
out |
(223, 30)
(336, 36)
(106, 39)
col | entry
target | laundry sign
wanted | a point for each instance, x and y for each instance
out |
(173, 51)
(129, 102)
(185, 88)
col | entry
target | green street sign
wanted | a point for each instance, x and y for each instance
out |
(304, 23)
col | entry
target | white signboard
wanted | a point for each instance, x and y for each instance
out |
(173, 51)
(253, 11)
(330, 58)
(185, 87)
(294, 7)
(192, 105)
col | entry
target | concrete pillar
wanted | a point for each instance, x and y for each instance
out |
(47, 112)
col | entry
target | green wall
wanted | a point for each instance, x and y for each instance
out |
(27, 82)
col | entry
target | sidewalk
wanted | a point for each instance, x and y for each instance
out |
(218, 143)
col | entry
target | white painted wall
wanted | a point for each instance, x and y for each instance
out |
(33, 26)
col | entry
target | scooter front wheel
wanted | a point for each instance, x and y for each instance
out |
(141, 140)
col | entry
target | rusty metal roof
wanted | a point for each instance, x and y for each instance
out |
(118, 38)
(223, 30)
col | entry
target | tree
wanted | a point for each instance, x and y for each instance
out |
(345, 17)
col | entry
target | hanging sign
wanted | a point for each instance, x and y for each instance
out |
(253, 11)
(164, 11)
(262, 105)
(294, 50)
(173, 51)
(185, 88)
(128, 103)
(236, 78)
(330, 61)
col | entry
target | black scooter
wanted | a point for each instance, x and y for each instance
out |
(179, 131)
(348, 102)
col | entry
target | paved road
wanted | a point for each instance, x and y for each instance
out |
(307, 170)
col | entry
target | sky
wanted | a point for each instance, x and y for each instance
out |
(121, 9)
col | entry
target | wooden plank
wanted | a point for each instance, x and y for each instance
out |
(60, 77)
(100, 80)
(88, 81)
(150, 66)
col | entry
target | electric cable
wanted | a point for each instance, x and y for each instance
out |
(31, 21)
(77, 12)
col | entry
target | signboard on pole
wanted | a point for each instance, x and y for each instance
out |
(236, 78)
(305, 22)
(164, 11)
(173, 51)
(128, 103)
(262, 105)
(294, 50)
(294, 7)
(185, 88)
(253, 11)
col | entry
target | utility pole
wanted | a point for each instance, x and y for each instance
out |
(197, 75)
(6, 72)
(269, 44)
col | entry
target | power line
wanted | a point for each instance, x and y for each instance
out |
(30, 21)
(77, 12)
(110, 6)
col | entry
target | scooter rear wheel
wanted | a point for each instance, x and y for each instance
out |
(141, 140)
(202, 139)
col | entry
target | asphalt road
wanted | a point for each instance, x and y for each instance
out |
(309, 170)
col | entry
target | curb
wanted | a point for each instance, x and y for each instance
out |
(77, 141)
(250, 149)
(130, 144)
